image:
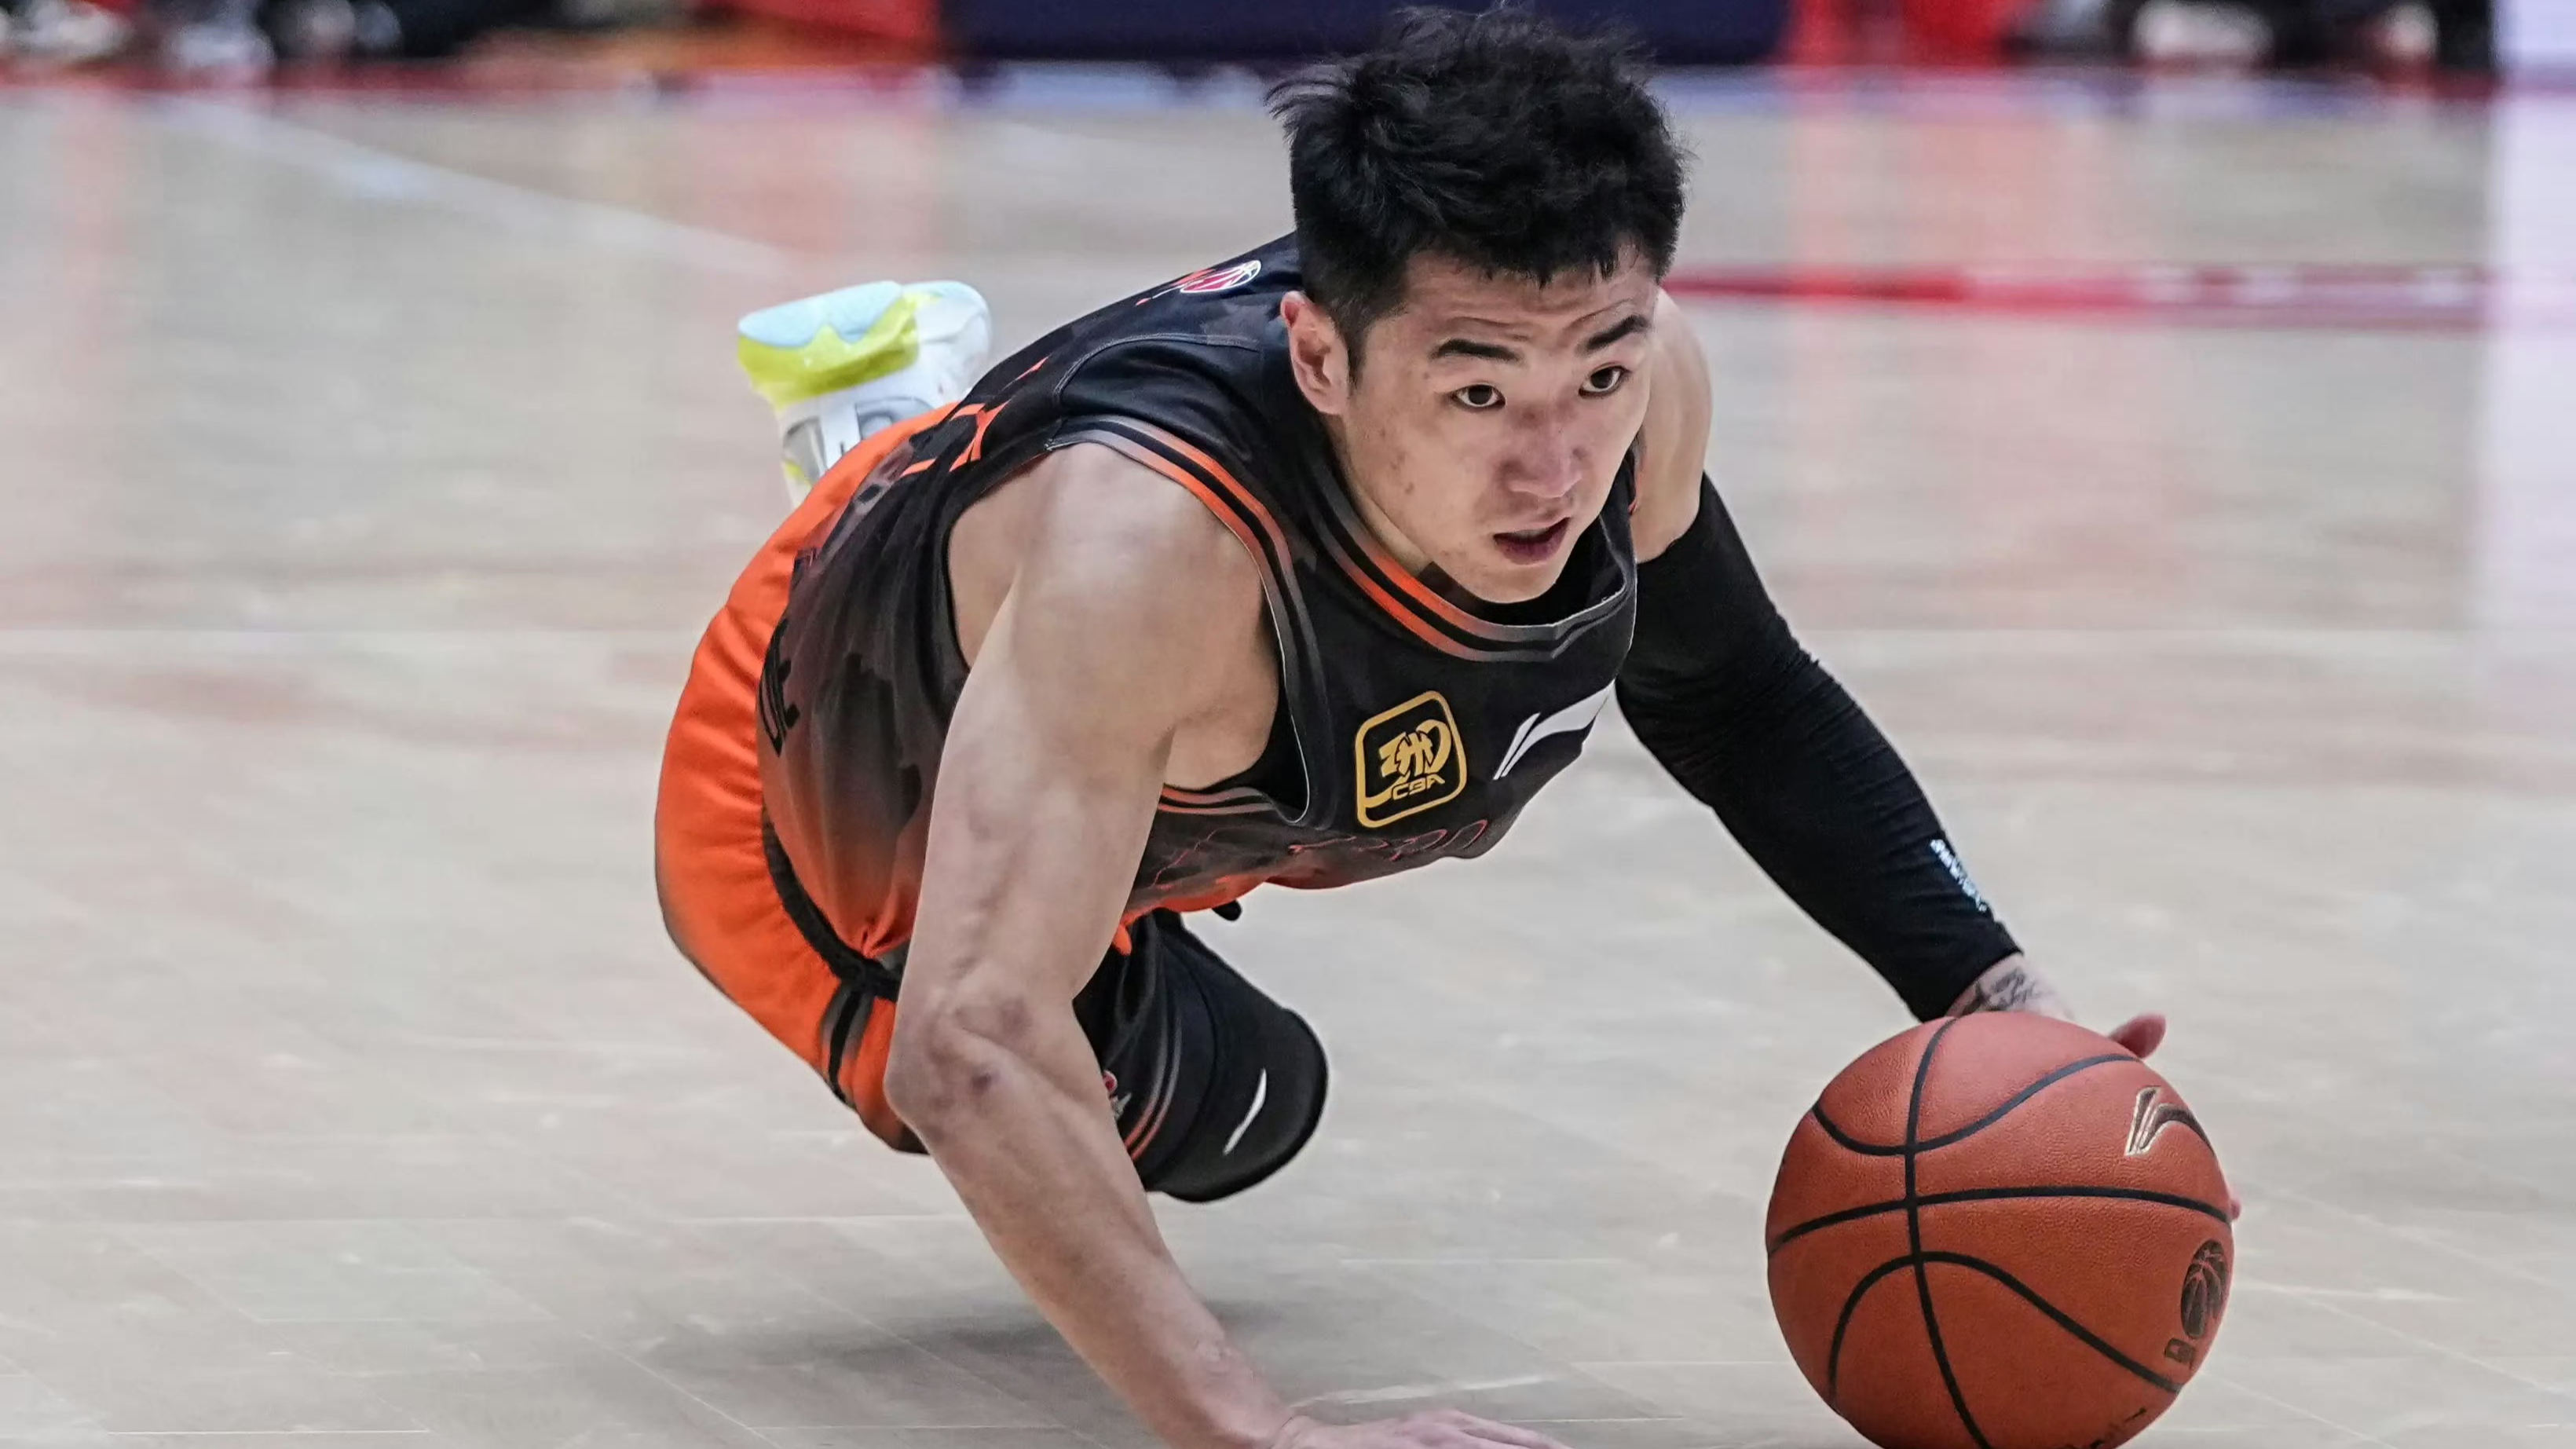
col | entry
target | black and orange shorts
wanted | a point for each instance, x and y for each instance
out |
(1213, 1085)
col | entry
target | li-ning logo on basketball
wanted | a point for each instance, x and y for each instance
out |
(2204, 1301)
(1410, 759)
(2154, 1113)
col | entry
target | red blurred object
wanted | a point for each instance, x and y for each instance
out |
(1961, 29)
(1902, 32)
(905, 23)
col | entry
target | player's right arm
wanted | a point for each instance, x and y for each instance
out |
(1127, 601)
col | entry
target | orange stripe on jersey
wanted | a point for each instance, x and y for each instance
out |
(1170, 806)
(1421, 592)
(1217, 474)
(1410, 618)
(983, 417)
(1421, 628)
(1130, 448)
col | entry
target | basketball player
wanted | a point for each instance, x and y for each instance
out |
(1308, 568)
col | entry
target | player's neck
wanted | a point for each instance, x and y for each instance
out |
(1402, 549)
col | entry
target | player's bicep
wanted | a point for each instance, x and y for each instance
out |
(1672, 452)
(1056, 753)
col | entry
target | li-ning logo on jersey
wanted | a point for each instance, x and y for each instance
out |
(2155, 1112)
(1410, 759)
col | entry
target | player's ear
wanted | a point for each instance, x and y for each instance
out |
(1316, 354)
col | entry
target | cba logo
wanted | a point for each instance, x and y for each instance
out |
(1410, 759)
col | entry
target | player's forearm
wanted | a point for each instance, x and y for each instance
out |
(1825, 806)
(1017, 1120)
(1721, 694)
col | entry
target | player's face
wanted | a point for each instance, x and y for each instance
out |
(1489, 415)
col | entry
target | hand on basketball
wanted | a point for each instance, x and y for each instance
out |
(1436, 1429)
(2010, 985)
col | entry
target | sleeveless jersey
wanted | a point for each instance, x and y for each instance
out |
(1411, 726)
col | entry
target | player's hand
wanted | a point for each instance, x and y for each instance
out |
(2010, 985)
(1437, 1429)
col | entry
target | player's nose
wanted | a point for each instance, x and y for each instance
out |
(1548, 464)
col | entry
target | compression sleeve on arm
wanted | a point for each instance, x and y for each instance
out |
(1726, 700)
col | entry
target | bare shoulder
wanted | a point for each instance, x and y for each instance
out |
(1673, 450)
(1103, 522)
(1125, 585)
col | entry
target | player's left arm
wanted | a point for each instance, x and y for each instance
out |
(1719, 690)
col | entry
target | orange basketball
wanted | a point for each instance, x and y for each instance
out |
(1999, 1232)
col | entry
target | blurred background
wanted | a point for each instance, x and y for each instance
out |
(2161, 413)
(244, 38)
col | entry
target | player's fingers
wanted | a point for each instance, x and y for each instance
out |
(2141, 1035)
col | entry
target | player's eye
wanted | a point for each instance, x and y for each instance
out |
(1604, 380)
(1478, 397)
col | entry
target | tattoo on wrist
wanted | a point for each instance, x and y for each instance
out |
(2010, 990)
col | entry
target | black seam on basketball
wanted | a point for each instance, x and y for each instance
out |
(1850, 1143)
(1846, 1140)
(1994, 1194)
(2056, 1315)
(1947, 1139)
(1842, 1325)
(1914, 1235)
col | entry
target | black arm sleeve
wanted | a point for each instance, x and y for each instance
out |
(1747, 721)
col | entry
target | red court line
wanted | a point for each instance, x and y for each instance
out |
(2399, 297)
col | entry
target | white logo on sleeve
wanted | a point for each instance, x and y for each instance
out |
(1950, 862)
(1573, 719)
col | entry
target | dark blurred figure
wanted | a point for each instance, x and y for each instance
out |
(333, 30)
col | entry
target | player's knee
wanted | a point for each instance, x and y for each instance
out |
(1225, 1086)
(1244, 1137)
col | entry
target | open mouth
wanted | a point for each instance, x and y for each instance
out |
(1536, 545)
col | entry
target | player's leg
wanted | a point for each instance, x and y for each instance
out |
(1214, 1085)
(710, 855)
(840, 366)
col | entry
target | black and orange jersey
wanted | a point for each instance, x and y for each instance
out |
(1411, 726)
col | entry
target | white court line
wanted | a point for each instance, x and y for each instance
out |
(2366, 1295)
(2304, 1413)
(369, 174)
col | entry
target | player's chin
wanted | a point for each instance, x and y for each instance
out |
(1519, 566)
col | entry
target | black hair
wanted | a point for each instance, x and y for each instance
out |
(1496, 140)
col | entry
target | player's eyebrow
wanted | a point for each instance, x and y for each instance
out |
(1461, 347)
(1619, 332)
(1616, 332)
